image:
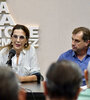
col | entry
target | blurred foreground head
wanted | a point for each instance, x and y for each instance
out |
(63, 81)
(9, 85)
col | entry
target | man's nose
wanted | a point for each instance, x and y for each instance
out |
(73, 42)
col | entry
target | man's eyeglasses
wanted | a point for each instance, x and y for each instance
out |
(21, 37)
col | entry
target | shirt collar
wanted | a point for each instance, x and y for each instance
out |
(88, 51)
(73, 53)
(24, 51)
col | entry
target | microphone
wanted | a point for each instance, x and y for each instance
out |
(12, 53)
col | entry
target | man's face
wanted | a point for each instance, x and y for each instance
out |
(78, 44)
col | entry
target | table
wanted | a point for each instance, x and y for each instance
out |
(34, 90)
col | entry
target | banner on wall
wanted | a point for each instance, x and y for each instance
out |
(7, 23)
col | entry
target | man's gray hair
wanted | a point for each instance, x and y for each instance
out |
(63, 79)
(9, 86)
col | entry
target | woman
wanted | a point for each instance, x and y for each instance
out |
(24, 63)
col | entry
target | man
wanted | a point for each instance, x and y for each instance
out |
(63, 81)
(9, 85)
(85, 95)
(80, 52)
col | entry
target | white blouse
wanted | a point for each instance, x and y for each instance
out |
(27, 63)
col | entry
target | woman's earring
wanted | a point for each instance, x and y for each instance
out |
(25, 45)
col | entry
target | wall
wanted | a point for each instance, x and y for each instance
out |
(56, 19)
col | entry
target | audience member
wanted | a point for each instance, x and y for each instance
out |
(85, 94)
(63, 80)
(9, 85)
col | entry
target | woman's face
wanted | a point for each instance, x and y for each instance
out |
(18, 39)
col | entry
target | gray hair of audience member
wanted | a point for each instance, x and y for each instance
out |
(8, 84)
(63, 79)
